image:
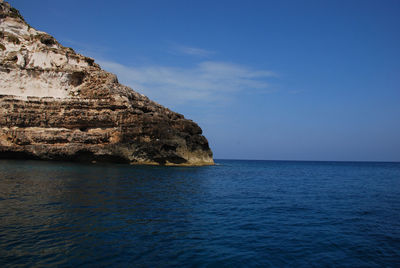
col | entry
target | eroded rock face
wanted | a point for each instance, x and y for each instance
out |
(56, 104)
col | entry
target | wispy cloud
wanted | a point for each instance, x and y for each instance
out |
(194, 51)
(179, 49)
(206, 82)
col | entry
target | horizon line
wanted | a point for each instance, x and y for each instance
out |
(282, 160)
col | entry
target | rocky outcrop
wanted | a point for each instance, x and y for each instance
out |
(56, 104)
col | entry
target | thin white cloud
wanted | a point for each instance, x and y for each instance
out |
(206, 82)
(179, 49)
(194, 51)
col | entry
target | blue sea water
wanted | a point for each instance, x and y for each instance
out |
(235, 214)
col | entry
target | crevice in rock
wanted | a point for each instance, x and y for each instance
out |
(86, 156)
(76, 78)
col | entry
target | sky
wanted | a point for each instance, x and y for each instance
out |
(272, 80)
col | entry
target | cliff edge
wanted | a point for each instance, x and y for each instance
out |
(56, 104)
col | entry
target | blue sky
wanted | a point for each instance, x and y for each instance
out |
(275, 80)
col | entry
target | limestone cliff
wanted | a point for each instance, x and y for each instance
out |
(56, 104)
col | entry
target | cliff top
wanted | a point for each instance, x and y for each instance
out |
(45, 68)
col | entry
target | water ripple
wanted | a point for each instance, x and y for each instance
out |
(238, 213)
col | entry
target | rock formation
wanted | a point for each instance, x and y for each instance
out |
(56, 104)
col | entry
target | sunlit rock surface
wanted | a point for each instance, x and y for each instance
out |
(56, 104)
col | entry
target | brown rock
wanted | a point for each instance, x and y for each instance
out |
(56, 104)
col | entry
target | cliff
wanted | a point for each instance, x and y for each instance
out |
(56, 104)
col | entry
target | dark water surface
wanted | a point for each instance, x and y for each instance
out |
(236, 214)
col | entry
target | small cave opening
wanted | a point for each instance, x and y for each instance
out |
(76, 78)
(174, 159)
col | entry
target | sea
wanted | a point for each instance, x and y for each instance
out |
(234, 214)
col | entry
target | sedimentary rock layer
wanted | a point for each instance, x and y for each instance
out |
(56, 104)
